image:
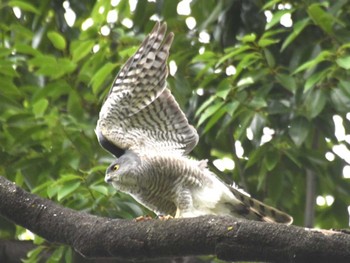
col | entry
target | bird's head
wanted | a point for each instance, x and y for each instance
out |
(123, 172)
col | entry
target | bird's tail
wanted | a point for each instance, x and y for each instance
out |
(256, 210)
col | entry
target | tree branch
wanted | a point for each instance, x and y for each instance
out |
(12, 251)
(310, 202)
(226, 237)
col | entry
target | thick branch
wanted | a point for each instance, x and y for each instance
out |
(225, 237)
(310, 203)
(12, 251)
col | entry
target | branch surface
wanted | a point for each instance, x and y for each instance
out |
(226, 237)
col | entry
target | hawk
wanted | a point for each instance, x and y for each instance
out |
(141, 124)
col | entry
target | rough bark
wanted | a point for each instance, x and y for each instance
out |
(225, 237)
(12, 251)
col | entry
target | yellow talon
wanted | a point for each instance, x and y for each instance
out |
(142, 218)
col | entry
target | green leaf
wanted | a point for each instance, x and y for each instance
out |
(74, 105)
(101, 75)
(224, 89)
(344, 62)
(65, 66)
(80, 49)
(299, 130)
(8, 70)
(248, 38)
(68, 257)
(22, 32)
(271, 159)
(26, 49)
(246, 81)
(57, 40)
(67, 178)
(314, 79)
(245, 120)
(49, 66)
(24, 5)
(206, 56)
(56, 255)
(324, 55)
(67, 189)
(9, 88)
(269, 58)
(270, 4)
(255, 156)
(246, 61)
(315, 102)
(320, 17)
(257, 102)
(278, 107)
(341, 100)
(264, 42)
(42, 187)
(234, 52)
(345, 46)
(210, 111)
(214, 119)
(43, 61)
(257, 124)
(298, 27)
(292, 156)
(52, 190)
(261, 178)
(274, 32)
(231, 107)
(40, 107)
(287, 81)
(344, 86)
(33, 255)
(205, 105)
(100, 188)
(4, 52)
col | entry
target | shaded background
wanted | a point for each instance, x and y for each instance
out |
(266, 83)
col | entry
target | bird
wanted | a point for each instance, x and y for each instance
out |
(143, 126)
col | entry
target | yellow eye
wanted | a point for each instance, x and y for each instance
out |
(116, 167)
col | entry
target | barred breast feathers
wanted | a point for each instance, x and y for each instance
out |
(164, 176)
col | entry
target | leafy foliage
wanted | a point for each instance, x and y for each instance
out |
(276, 82)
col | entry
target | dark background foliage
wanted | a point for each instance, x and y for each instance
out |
(258, 84)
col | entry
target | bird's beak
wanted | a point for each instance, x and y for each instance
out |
(108, 178)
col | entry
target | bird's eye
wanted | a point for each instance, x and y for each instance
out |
(116, 167)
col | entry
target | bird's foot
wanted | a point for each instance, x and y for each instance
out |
(164, 217)
(142, 218)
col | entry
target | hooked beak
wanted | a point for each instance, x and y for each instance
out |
(108, 178)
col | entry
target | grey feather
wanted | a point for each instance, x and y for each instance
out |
(140, 113)
(141, 118)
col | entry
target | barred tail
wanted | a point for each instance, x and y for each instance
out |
(259, 211)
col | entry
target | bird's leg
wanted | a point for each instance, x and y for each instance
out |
(184, 204)
(202, 164)
(142, 218)
(165, 217)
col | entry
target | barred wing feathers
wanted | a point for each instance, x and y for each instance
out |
(140, 113)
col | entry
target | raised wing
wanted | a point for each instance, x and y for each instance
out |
(140, 113)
